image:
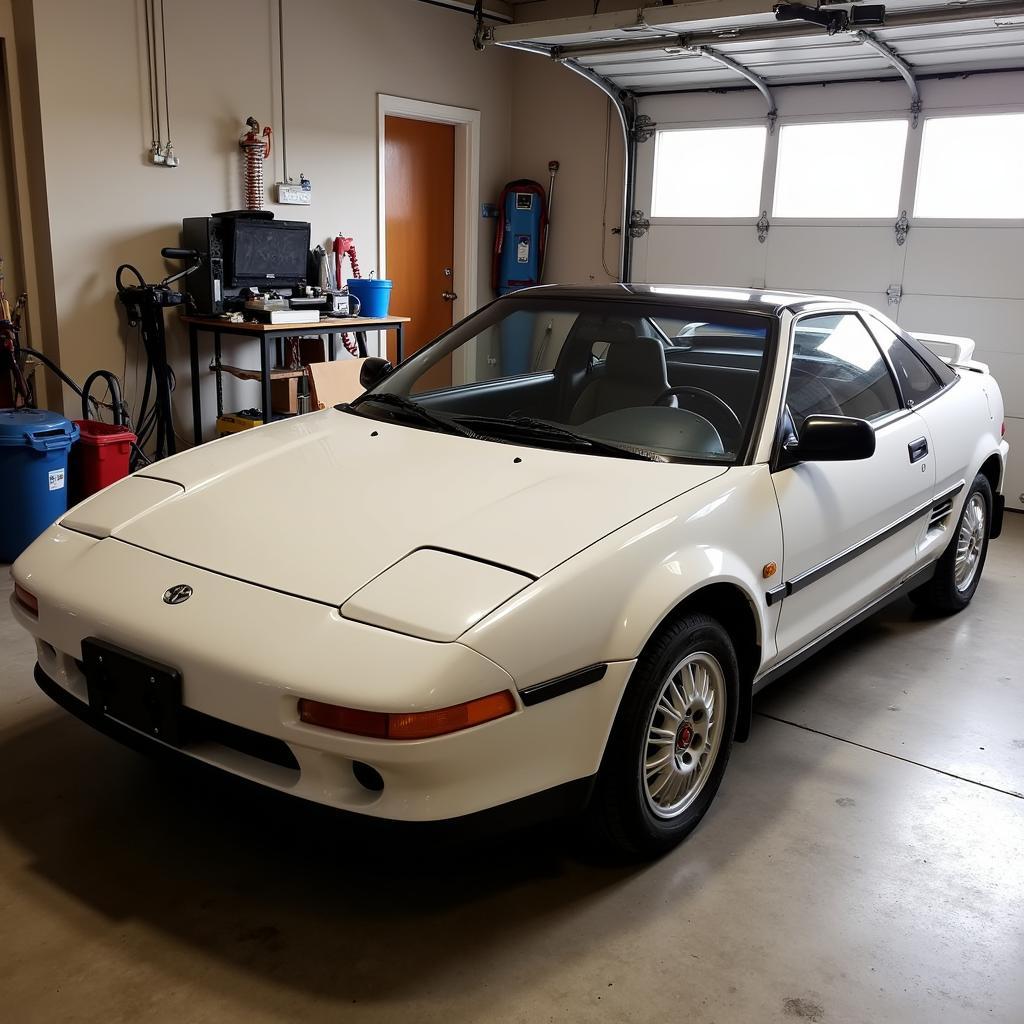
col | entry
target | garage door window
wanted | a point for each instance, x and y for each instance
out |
(709, 172)
(838, 370)
(971, 167)
(839, 170)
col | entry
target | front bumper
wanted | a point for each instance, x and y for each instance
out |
(246, 654)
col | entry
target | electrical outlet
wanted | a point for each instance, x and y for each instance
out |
(293, 195)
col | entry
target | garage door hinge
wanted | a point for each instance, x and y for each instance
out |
(643, 128)
(763, 227)
(915, 113)
(902, 228)
(639, 225)
(894, 293)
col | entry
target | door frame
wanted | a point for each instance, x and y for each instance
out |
(30, 226)
(467, 192)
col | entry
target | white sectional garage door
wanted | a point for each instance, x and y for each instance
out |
(958, 275)
(971, 282)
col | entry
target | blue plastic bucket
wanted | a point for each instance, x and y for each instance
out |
(34, 447)
(373, 295)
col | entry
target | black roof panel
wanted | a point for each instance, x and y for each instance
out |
(748, 300)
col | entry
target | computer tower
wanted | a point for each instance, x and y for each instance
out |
(206, 285)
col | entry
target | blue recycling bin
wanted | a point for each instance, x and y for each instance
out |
(34, 446)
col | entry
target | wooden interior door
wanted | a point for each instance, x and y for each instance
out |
(419, 198)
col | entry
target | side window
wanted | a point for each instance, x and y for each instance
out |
(838, 370)
(916, 380)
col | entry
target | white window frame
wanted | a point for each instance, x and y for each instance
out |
(645, 166)
(846, 118)
(912, 169)
(908, 187)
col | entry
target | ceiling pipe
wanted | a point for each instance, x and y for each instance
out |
(624, 103)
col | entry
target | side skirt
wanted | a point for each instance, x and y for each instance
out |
(920, 577)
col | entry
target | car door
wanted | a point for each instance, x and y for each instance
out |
(953, 445)
(851, 529)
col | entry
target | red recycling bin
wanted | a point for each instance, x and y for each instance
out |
(99, 459)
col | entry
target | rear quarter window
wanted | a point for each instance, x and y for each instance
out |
(917, 379)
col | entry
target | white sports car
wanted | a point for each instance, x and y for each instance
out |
(543, 564)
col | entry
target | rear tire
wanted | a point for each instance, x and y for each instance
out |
(671, 740)
(958, 571)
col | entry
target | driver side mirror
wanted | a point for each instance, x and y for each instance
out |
(831, 439)
(373, 371)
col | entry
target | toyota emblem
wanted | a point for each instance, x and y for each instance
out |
(178, 594)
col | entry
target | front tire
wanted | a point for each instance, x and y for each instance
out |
(671, 740)
(958, 571)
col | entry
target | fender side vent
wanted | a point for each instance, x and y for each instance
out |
(938, 520)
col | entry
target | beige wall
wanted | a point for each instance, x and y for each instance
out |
(541, 10)
(101, 203)
(557, 115)
(107, 205)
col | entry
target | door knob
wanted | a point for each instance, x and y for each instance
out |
(449, 296)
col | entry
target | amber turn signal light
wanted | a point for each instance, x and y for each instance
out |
(26, 600)
(415, 725)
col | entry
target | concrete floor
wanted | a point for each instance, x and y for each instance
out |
(864, 862)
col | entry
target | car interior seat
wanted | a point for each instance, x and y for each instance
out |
(634, 374)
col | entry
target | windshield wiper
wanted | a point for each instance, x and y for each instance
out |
(422, 413)
(532, 426)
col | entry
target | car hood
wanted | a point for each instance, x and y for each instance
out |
(319, 505)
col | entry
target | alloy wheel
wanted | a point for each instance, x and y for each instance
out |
(684, 732)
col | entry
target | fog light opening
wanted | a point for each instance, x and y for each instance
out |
(367, 777)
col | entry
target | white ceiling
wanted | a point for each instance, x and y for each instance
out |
(969, 35)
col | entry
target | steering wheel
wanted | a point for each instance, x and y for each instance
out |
(705, 396)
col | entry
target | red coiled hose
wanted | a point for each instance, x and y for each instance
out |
(256, 149)
(346, 247)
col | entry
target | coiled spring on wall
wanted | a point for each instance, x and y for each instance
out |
(255, 147)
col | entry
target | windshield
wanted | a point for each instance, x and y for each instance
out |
(601, 377)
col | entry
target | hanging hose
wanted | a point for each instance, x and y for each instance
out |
(144, 304)
(63, 377)
(118, 409)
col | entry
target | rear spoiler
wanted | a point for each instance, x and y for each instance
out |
(952, 349)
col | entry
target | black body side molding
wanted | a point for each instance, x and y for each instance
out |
(540, 692)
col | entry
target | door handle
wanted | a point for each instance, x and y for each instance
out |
(918, 449)
(449, 296)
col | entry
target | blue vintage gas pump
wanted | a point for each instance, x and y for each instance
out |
(518, 260)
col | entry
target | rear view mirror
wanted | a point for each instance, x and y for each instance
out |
(833, 439)
(373, 371)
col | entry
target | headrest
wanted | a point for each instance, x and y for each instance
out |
(637, 358)
(595, 329)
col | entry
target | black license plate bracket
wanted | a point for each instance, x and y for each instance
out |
(133, 690)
